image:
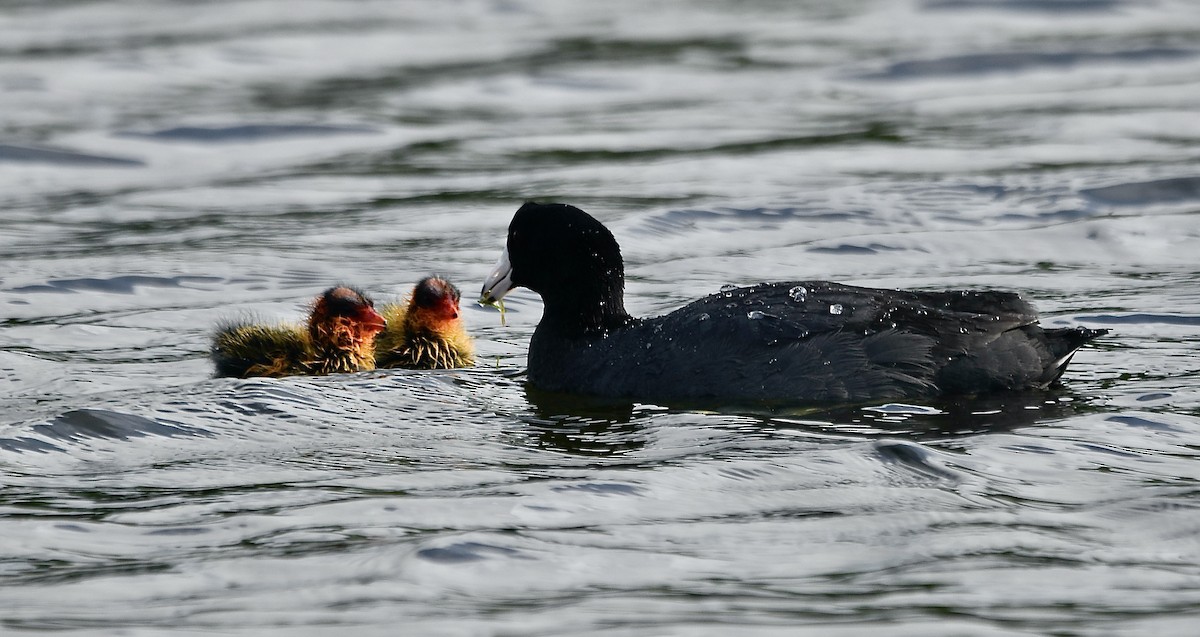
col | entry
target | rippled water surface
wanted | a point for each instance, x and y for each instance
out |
(167, 164)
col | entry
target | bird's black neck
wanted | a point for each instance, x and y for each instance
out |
(587, 309)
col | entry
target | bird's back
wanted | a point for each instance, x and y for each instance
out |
(814, 341)
(243, 349)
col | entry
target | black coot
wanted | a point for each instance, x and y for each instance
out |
(799, 341)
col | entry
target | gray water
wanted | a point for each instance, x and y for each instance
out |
(167, 164)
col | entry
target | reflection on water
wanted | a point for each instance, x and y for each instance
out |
(173, 163)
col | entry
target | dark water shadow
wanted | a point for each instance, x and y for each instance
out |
(1036, 6)
(104, 423)
(464, 552)
(1140, 318)
(349, 89)
(679, 221)
(247, 132)
(1174, 190)
(81, 424)
(1006, 62)
(126, 284)
(21, 444)
(872, 132)
(584, 425)
(63, 157)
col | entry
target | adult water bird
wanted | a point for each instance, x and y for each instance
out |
(796, 341)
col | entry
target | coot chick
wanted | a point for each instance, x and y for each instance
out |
(799, 341)
(339, 338)
(428, 332)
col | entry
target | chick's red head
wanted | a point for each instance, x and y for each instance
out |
(346, 316)
(436, 299)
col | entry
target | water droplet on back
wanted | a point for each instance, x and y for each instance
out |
(754, 315)
(836, 308)
(799, 293)
(728, 287)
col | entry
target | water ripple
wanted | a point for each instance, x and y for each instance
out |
(165, 168)
(980, 63)
(248, 132)
(1147, 192)
(62, 157)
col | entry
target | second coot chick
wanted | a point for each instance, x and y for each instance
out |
(799, 341)
(428, 332)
